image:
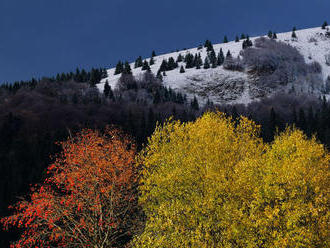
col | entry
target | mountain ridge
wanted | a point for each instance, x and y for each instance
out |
(223, 86)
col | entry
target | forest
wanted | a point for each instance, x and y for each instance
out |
(48, 123)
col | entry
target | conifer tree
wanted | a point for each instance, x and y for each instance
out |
(195, 59)
(164, 66)
(236, 38)
(152, 61)
(138, 62)
(159, 75)
(182, 69)
(157, 98)
(206, 63)
(107, 89)
(127, 68)
(274, 35)
(77, 76)
(208, 45)
(221, 57)
(179, 58)
(198, 61)
(84, 74)
(294, 35)
(270, 34)
(228, 55)
(243, 36)
(171, 64)
(189, 59)
(225, 39)
(119, 68)
(194, 103)
(145, 66)
(324, 25)
(213, 59)
(58, 77)
(95, 77)
(247, 43)
(153, 54)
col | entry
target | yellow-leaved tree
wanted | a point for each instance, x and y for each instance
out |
(214, 183)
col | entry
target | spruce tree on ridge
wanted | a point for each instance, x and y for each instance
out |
(324, 25)
(119, 68)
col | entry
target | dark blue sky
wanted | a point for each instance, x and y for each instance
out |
(43, 37)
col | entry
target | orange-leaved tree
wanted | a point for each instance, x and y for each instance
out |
(88, 199)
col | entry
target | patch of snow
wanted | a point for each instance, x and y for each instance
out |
(204, 83)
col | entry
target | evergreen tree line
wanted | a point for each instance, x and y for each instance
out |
(309, 114)
(93, 77)
(144, 90)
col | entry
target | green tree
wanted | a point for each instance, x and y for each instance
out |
(152, 61)
(270, 34)
(127, 68)
(119, 68)
(228, 55)
(107, 89)
(194, 103)
(145, 66)
(206, 63)
(221, 57)
(208, 45)
(294, 35)
(274, 35)
(138, 62)
(159, 75)
(324, 25)
(198, 61)
(179, 58)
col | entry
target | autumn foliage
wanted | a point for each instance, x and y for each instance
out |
(88, 199)
(215, 183)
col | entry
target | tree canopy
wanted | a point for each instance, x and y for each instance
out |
(215, 183)
(89, 198)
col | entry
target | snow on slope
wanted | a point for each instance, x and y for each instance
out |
(225, 86)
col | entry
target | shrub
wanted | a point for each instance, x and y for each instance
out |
(234, 64)
(275, 62)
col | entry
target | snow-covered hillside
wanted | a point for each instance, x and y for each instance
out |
(226, 86)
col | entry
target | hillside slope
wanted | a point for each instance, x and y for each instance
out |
(228, 86)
